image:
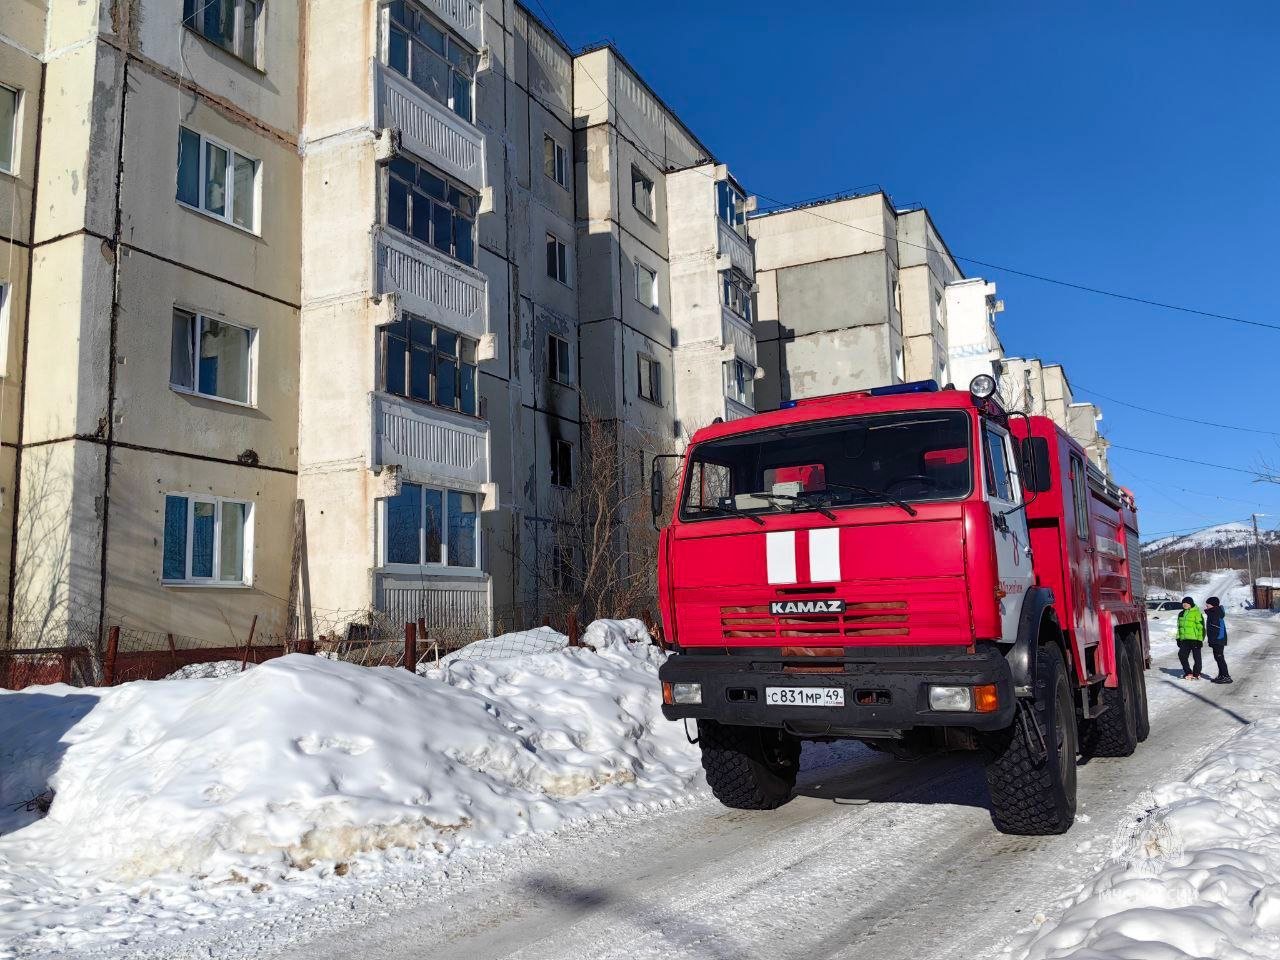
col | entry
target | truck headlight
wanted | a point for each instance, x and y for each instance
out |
(951, 699)
(686, 694)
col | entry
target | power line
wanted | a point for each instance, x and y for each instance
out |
(1174, 416)
(1256, 474)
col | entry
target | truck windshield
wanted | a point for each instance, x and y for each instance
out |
(882, 458)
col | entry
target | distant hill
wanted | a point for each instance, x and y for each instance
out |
(1224, 537)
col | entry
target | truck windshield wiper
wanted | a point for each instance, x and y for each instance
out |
(804, 500)
(728, 511)
(875, 493)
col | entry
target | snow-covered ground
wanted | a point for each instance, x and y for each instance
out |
(178, 801)
(1199, 875)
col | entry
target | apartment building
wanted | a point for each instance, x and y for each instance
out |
(1034, 387)
(378, 265)
(851, 295)
(973, 346)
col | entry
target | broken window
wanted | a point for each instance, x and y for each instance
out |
(557, 259)
(561, 463)
(555, 160)
(558, 368)
(650, 374)
(642, 194)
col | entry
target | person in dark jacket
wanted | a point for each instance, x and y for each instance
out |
(1215, 631)
(1190, 638)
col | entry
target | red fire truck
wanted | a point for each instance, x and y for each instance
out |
(910, 567)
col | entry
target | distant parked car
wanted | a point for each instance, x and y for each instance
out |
(1159, 608)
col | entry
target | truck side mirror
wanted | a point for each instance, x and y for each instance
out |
(655, 491)
(1036, 471)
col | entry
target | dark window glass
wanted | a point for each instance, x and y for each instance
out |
(434, 526)
(446, 381)
(422, 218)
(420, 372)
(442, 228)
(396, 349)
(404, 521)
(398, 51)
(174, 563)
(202, 524)
(462, 240)
(188, 167)
(467, 389)
(462, 529)
(397, 205)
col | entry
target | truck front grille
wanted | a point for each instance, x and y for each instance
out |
(886, 618)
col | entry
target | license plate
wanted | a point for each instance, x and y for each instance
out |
(804, 696)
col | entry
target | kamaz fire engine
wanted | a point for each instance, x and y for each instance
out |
(913, 568)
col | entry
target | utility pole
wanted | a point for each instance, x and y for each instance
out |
(1257, 542)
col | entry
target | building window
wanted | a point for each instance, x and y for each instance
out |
(561, 463)
(425, 205)
(562, 568)
(737, 294)
(558, 368)
(429, 526)
(430, 57)
(646, 286)
(739, 382)
(8, 129)
(427, 363)
(212, 357)
(217, 180)
(899, 365)
(555, 161)
(650, 383)
(233, 25)
(5, 295)
(207, 540)
(642, 193)
(557, 259)
(731, 206)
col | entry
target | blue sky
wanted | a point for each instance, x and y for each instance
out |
(1132, 147)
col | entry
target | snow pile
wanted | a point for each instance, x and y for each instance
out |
(523, 643)
(305, 766)
(1200, 875)
(209, 671)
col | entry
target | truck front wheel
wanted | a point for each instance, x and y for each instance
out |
(1031, 770)
(749, 768)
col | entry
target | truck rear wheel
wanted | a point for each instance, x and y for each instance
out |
(1114, 733)
(749, 768)
(1033, 784)
(1139, 686)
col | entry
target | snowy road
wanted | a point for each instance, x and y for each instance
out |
(875, 858)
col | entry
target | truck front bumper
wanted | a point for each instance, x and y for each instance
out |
(885, 694)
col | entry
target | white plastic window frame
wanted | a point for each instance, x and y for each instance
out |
(229, 203)
(196, 320)
(246, 561)
(441, 566)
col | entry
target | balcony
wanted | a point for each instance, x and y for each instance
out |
(737, 334)
(733, 410)
(443, 600)
(734, 249)
(430, 284)
(429, 129)
(431, 445)
(463, 16)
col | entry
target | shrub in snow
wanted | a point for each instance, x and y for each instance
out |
(304, 762)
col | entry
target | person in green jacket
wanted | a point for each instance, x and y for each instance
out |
(1190, 638)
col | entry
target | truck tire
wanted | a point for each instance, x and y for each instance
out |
(1033, 792)
(749, 768)
(1115, 732)
(1139, 686)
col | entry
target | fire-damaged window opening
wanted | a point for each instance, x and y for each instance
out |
(429, 363)
(424, 204)
(212, 357)
(207, 541)
(650, 378)
(9, 100)
(558, 362)
(421, 50)
(217, 180)
(561, 463)
(557, 259)
(430, 526)
(642, 194)
(234, 25)
(646, 286)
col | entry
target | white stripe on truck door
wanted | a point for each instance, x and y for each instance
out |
(824, 555)
(780, 556)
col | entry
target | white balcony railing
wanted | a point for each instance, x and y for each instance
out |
(443, 601)
(735, 248)
(429, 129)
(737, 334)
(431, 285)
(431, 445)
(464, 16)
(733, 410)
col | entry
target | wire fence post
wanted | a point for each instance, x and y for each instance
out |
(113, 648)
(571, 628)
(411, 647)
(248, 644)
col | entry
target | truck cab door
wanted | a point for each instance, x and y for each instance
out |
(1013, 544)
